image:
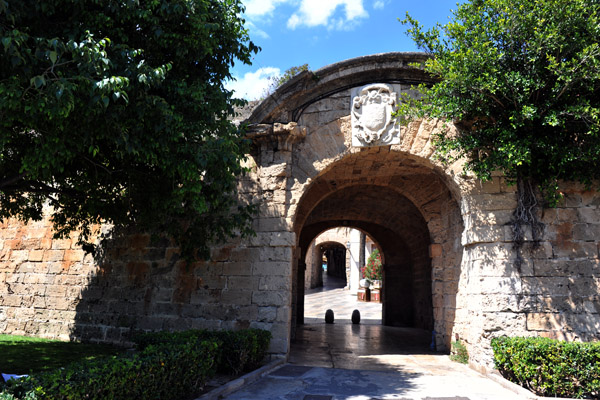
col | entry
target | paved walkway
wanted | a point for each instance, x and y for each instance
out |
(365, 362)
(333, 296)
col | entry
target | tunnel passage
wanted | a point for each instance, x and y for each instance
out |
(405, 206)
(398, 227)
(335, 254)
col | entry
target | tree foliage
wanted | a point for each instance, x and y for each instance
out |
(278, 80)
(521, 80)
(114, 111)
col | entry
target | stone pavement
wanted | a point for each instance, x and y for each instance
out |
(333, 296)
(292, 382)
(365, 362)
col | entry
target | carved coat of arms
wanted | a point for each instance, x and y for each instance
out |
(372, 122)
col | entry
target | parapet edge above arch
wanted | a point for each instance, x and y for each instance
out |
(288, 102)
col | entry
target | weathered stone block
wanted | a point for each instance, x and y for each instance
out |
(18, 256)
(278, 239)
(575, 250)
(490, 251)
(496, 285)
(564, 268)
(273, 268)
(556, 286)
(283, 283)
(267, 314)
(586, 232)
(435, 250)
(278, 346)
(242, 283)
(237, 268)
(61, 244)
(11, 300)
(272, 224)
(270, 298)
(238, 297)
(53, 255)
(245, 254)
(275, 254)
(545, 322)
(589, 215)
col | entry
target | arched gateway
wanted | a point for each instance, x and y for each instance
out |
(335, 158)
(327, 154)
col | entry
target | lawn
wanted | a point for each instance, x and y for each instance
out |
(24, 355)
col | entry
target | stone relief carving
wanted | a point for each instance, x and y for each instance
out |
(372, 122)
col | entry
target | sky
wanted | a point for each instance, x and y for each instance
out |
(322, 32)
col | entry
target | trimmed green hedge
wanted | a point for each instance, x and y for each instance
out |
(550, 367)
(239, 351)
(166, 366)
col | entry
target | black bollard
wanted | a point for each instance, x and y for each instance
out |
(356, 317)
(329, 316)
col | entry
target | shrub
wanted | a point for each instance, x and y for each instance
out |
(165, 371)
(550, 367)
(27, 396)
(373, 269)
(459, 352)
(239, 351)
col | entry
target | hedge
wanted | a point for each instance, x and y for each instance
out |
(239, 351)
(165, 366)
(550, 367)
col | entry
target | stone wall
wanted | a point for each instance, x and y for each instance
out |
(51, 288)
(554, 293)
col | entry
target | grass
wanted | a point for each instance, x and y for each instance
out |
(25, 355)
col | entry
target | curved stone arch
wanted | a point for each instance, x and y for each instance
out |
(329, 240)
(430, 214)
(316, 157)
(290, 100)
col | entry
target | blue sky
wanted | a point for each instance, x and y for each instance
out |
(322, 32)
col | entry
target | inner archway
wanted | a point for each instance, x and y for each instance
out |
(405, 205)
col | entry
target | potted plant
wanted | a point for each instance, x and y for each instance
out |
(372, 270)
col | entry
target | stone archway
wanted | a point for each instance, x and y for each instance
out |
(313, 172)
(335, 255)
(407, 208)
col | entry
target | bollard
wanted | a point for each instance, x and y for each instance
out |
(329, 316)
(356, 317)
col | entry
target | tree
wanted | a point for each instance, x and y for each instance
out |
(521, 81)
(115, 112)
(278, 80)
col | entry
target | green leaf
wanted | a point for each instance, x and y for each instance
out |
(53, 56)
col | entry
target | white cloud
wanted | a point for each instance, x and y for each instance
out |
(379, 4)
(253, 85)
(309, 13)
(256, 31)
(319, 12)
(258, 8)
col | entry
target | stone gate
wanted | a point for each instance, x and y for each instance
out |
(325, 155)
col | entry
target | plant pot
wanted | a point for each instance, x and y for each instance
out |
(363, 294)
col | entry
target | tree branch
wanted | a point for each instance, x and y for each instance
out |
(11, 181)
